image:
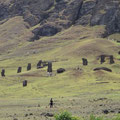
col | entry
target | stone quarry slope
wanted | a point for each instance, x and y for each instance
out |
(52, 16)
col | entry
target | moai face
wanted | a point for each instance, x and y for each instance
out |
(19, 70)
(49, 67)
(112, 59)
(24, 83)
(102, 59)
(29, 67)
(3, 73)
(85, 62)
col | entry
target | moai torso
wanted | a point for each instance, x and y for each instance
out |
(3, 73)
(112, 59)
(19, 70)
(29, 67)
(85, 62)
(102, 59)
(24, 83)
(49, 67)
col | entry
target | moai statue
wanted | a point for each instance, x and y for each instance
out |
(85, 62)
(51, 103)
(102, 59)
(24, 83)
(49, 70)
(19, 69)
(112, 59)
(29, 67)
(3, 73)
(39, 65)
(44, 63)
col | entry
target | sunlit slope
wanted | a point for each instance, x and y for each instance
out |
(66, 49)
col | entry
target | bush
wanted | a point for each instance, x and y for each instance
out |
(65, 116)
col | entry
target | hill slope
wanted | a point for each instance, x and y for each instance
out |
(62, 31)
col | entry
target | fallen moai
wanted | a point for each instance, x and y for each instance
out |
(103, 68)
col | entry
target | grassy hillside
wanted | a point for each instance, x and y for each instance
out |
(66, 50)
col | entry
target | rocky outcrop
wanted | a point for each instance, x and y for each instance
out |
(45, 30)
(56, 15)
(101, 12)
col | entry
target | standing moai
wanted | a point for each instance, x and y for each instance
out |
(39, 64)
(102, 59)
(19, 70)
(24, 83)
(112, 59)
(3, 73)
(29, 67)
(49, 70)
(85, 62)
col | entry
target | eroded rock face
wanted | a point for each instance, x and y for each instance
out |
(56, 15)
(101, 12)
(45, 30)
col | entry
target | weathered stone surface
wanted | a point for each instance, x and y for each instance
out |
(103, 68)
(53, 16)
(45, 30)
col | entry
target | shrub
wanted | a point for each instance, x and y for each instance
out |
(65, 116)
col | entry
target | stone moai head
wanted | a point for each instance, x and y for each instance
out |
(102, 59)
(3, 73)
(49, 67)
(39, 64)
(112, 59)
(19, 70)
(24, 83)
(85, 62)
(29, 67)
